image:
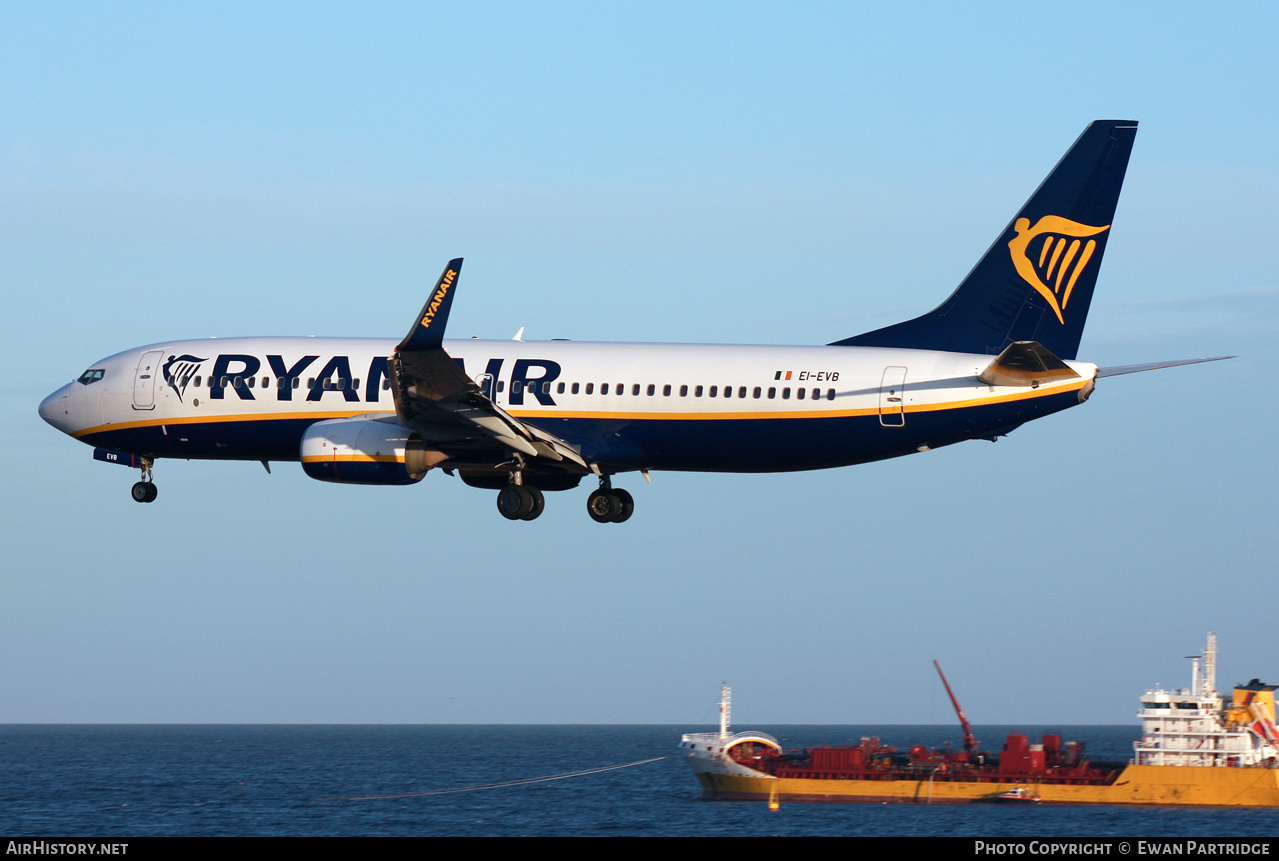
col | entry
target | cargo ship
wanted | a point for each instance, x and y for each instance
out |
(1194, 749)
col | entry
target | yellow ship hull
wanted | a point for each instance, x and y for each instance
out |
(1137, 784)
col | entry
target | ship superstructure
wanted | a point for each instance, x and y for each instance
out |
(725, 752)
(1192, 726)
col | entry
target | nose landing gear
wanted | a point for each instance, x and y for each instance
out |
(144, 490)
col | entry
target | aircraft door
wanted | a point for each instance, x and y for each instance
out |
(892, 397)
(488, 385)
(144, 380)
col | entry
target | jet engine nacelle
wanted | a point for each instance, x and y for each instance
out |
(366, 451)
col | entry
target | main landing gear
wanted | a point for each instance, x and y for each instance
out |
(144, 490)
(520, 501)
(610, 504)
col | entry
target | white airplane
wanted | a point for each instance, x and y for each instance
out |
(522, 417)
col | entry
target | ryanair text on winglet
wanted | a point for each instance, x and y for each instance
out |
(445, 283)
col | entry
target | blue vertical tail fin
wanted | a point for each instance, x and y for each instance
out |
(1035, 283)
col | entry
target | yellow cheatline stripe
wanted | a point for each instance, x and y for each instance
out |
(558, 413)
(353, 458)
(240, 417)
(1042, 391)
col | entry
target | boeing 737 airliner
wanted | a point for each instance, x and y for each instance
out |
(523, 417)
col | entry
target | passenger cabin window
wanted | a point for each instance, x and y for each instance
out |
(666, 390)
(590, 388)
(559, 390)
(635, 389)
(576, 388)
(683, 391)
(652, 390)
(604, 389)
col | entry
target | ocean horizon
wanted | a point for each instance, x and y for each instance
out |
(147, 780)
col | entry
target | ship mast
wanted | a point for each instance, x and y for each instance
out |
(1210, 666)
(725, 706)
(970, 743)
(1203, 677)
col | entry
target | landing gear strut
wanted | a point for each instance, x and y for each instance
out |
(144, 490)
(610, 504)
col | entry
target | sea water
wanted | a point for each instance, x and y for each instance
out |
(64, 781)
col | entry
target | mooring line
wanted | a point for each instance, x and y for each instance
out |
(477, 787)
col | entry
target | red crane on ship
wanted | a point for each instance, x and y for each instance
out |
(970, 743)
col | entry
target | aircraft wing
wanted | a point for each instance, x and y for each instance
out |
(1116, 370)
(435, 397)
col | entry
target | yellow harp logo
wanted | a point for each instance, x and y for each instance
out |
(1062, 251)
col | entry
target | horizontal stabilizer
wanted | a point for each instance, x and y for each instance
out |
(1153, 366)
(1026, 363)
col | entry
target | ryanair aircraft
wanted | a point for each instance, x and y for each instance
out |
(523, 417)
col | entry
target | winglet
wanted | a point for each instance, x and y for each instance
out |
(428, 330)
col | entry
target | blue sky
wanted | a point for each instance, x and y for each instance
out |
(738, 173)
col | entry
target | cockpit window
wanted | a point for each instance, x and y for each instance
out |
(91, 376)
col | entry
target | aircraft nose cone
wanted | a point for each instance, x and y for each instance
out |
(55, 409)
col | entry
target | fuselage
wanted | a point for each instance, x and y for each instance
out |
(703, 407)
